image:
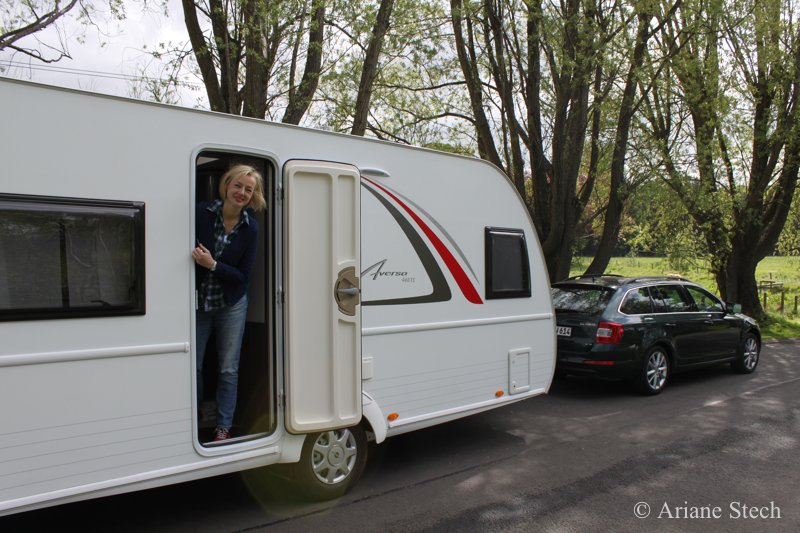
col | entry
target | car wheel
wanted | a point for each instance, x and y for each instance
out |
(747, 359)
(331, 462)
(655, 371)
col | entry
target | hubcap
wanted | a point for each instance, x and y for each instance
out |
(656, 370)
(750, 353)
(334, 456)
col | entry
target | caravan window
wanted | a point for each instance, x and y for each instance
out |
(507, 271)
(67, 258)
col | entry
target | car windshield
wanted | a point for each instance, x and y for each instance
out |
(581, 299)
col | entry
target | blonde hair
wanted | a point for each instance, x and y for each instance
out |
(257, 201)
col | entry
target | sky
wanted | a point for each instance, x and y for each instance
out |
(106, 60)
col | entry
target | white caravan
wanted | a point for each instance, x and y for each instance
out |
(396, 288)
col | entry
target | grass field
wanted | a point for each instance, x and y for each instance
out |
(783, 273)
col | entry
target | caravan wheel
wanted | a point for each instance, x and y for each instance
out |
(331, 462)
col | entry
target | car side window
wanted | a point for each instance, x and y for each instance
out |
(637, 302)
(669, 299)
(590, 300)
(703, 301)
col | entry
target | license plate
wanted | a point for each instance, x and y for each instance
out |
(563, 331)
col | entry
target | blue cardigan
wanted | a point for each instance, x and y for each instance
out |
(235, 264)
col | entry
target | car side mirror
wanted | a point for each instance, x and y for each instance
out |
(733, 308)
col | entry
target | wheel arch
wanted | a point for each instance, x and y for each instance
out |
(372, 418)
(667, 347)
(754, 331)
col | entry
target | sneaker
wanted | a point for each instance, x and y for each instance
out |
(221, 433)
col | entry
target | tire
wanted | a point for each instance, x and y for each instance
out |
(655, 371)
(331, 462)
(748, 356)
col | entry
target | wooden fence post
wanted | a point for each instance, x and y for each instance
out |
(783, 299)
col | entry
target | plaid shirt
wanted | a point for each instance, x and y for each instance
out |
(211, 294)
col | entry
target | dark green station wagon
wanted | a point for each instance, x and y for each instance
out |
(644, 329)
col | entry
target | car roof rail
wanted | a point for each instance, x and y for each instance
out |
(667, 277)
(594, 276)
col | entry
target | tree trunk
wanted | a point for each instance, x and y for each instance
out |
(229, 52)
(502, 75)
(254, 101)
(559, 260)
(486, 144)
(739, 279)
(203, 55)
(617, 196)
(572, 83)
(541, 168)
(299, 104)
(551, 199)
(768, 48)
(369, 70)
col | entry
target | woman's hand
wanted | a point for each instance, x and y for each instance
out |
(203, 257)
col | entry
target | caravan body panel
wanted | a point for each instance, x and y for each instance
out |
(104, 404)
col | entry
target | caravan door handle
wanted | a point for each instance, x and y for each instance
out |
(347, 291)
(352, 291)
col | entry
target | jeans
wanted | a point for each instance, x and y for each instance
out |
(228, 323)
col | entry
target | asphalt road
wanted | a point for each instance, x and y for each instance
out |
(716, 451)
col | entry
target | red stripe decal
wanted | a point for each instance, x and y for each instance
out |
(463, 281)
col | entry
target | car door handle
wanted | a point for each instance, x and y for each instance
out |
(671, 324)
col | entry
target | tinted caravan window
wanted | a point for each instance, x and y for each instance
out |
(67, 258)
(507, 269)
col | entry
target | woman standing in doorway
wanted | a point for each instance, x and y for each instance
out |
(227, 239)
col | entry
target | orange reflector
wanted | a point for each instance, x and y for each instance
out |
(393, 416)
(499, 393)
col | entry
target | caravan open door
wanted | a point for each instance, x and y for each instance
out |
(322, 287)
